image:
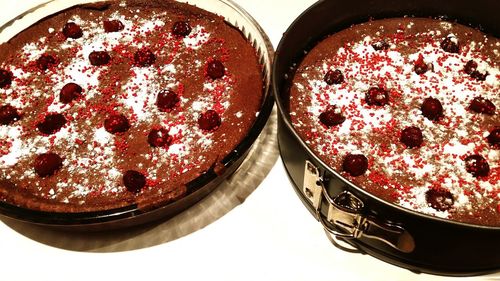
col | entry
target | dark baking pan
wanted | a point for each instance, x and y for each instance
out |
(197, 189)
(419, 242)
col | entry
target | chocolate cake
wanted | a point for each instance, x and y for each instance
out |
(117, 103)
(407, 109)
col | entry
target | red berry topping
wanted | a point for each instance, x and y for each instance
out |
(8, 114)
(5, 78)
(72, 30)
(99, 58)
(470, 67)
(116, 123)
(420, 67)
(439, 199)
(112, 25)
(333, 77)
(355, 164)
(46, 61)
(332, 116)
(377, 96)
(478, 75)
(209, 120)
(159, 138)
(380, 45)
(47, 164)
(482, 105)
(167, 100)
(477, 165)
(52, 123)
(494, 138)
(144, 57)
(181, 28)
(411, 137)
(134, 181)
(70, 92)
(450, 45)
(215, 69)
(432, 109)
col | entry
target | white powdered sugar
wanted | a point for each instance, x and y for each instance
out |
(77, 71)
(14, 152)
(150, 25)
(180, 149)
(140, 92)
(32, 51)
(196, 38)
(102, 136)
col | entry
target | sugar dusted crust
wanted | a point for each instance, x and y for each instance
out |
(396, 172)
(95, 160)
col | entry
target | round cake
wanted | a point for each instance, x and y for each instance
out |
(407, 109)
(111, 104)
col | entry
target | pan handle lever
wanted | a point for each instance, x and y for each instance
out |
(345, 217)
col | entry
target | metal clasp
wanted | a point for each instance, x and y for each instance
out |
(345, 217)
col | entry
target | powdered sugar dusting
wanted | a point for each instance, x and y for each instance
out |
(13, 152)
(140, 92)
(197, 38)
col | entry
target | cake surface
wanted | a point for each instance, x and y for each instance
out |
(407, 108)
(119, 103)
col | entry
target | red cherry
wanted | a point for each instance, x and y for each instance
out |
(72, 30)
(432, 109)
(494, 138)
(8, 114)
(478, 75)
(98, 58)
(181, 29)
(144, 57)
(482, 105)
(450, 45)
(70, 92)
(116, 123)
(355, 164)
(159, 138)
(439, 199)
(52, 123)
(47, 164)
(420, 67)
(215, 69)
(377, 96)
(167, 100)
(46, 61)
(112, 25)
(332, 116)
(333, 77)
(411, 137)
(134, 181)
(477, 165)
(5, 78)
(209, 120)
(470, 67)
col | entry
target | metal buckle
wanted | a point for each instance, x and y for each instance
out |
(345, 217)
